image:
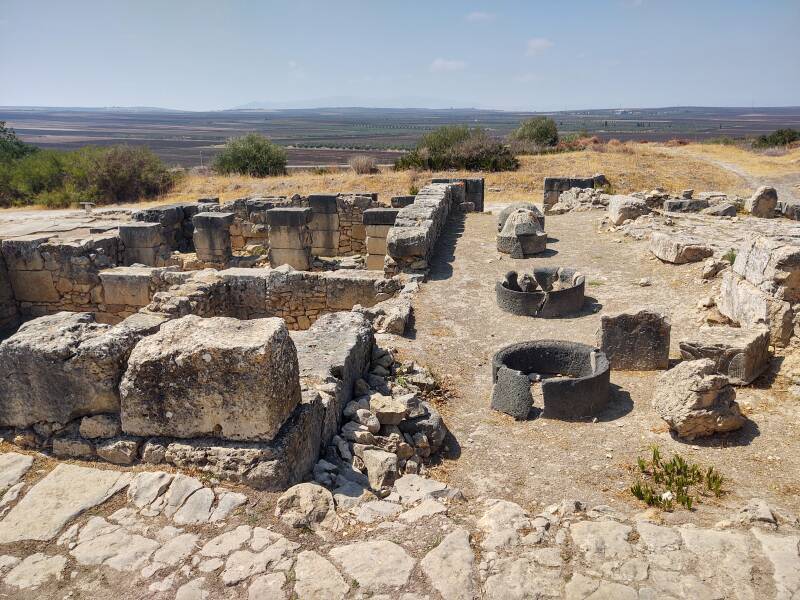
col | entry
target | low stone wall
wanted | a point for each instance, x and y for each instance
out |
(411, 242)
(553, 186)
(49, 275)
(473, 191)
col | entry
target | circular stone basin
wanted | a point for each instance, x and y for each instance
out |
(560, 292)
(573, 379)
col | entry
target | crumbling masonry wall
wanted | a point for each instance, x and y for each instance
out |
(9, 314)
(411, 242)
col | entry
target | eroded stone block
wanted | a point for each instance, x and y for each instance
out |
(217, 377)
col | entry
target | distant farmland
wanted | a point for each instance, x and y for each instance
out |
(332, 136)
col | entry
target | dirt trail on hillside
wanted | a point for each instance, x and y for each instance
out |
(458, 327)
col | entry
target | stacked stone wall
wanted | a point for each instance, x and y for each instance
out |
(52, 275)
(411, 242)
(9, 313)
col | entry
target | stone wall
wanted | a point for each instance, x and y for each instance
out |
(553, 186)
(473, 191)
(9, 313)
(411, 242)
(49, 275)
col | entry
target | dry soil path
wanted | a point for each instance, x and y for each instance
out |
(458, 327)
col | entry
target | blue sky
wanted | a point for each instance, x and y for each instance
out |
(550, 55)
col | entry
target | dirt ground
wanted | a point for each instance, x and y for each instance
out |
(458, 327)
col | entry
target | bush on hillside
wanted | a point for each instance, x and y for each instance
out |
(11, 147)
(101, 175)
(363, 165)
(459, 147)
(253, 155)
(780, 137)
(540, 132)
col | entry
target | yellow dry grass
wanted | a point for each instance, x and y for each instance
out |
(750, 161)
(629, 167)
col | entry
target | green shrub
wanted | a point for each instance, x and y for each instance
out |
(54, 178)
(459, 147)
(540, 131)
(253, 155)
(11, 147)
(780, 137)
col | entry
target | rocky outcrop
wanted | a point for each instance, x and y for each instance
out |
(696, 401)
(747, 305)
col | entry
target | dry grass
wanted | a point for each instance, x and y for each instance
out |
(629, 167)
(754, 162)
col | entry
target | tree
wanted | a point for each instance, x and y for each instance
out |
(253, 155)
(11, 147)
(541, 131)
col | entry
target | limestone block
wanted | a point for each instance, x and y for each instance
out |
(695, 401)
(623, 208)
(299, 259)
(376, 245)
(381, 231)
(127, 286)
(740, 353)
(218, 377)
(772, 265)
(212, 236)
(635, 342)
(325, 242)
(34, 286)
(324, 221)
(63, 366)
(522, 235)
(141, 235)
(289, 238)
(763, 202)
(323, 203)
(685, 205)
(678, 249)
(346, 288)
(288, 216)
(23, 253)
(380, 216)
(724, 209)
(745, 304)
(375, 262)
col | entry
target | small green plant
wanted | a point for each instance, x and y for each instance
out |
(664, 483)
(413, 190)
(730, 255)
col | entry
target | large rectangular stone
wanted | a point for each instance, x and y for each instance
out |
(127, 286)
(772, 264)
(289, 238)
(60, 367)
(380, 216)
(375, 262)
(740, 353)
(34, 286)
(324, 221)
(141, 235)
(376, 245)
(299, 259)
(323, 203)
(288, 216)
(745, 304)
(381, 231)
(216, 377)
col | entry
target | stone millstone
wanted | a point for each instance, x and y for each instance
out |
(741, 354)
(217, 377)
(695, 401)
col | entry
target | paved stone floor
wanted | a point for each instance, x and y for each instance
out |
(81, 532)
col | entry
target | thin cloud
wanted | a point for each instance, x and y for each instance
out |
(479, 17)
(536, 46)
(442, 64)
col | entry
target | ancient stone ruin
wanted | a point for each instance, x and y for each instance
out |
(547, 292)
(573, 379)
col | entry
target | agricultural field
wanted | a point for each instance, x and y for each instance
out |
(332, 136)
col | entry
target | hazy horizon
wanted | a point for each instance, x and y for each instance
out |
(204, 56)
